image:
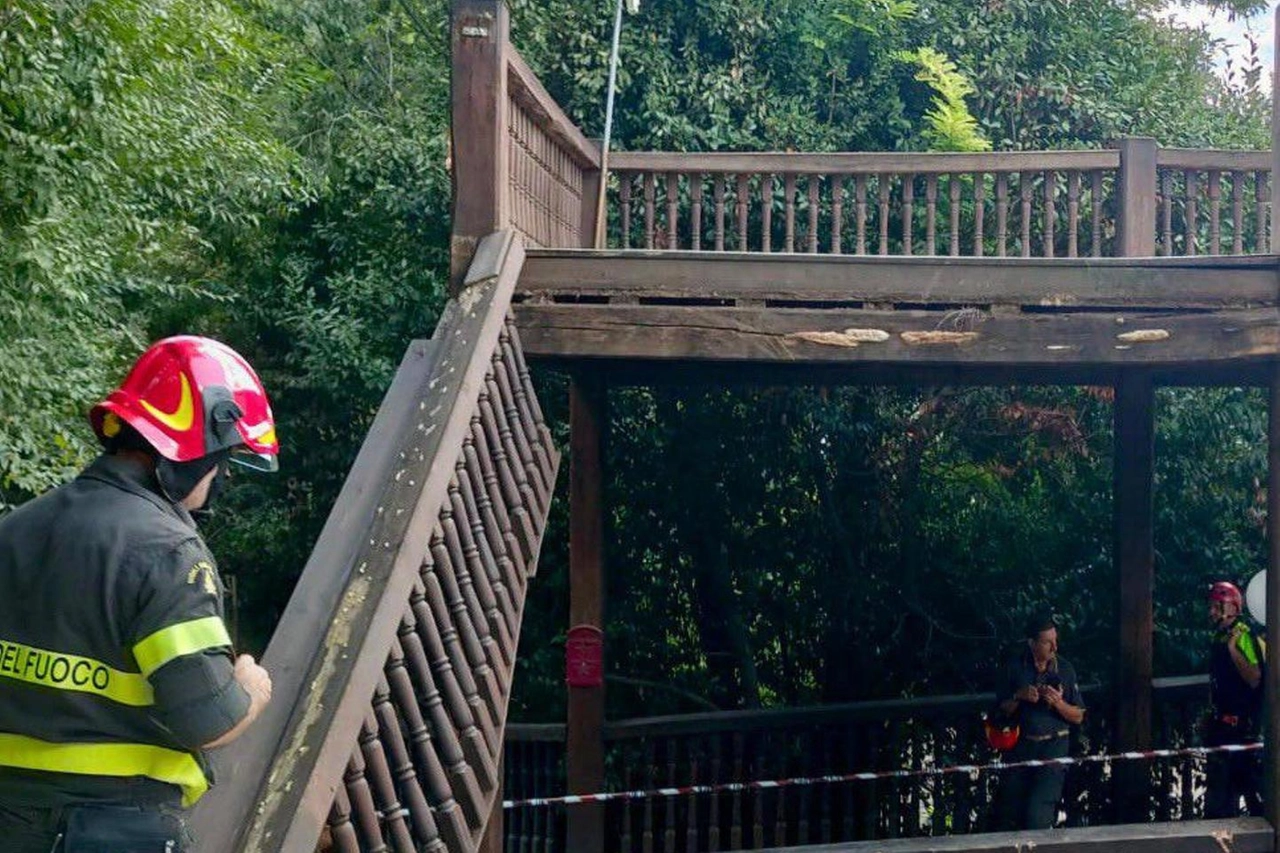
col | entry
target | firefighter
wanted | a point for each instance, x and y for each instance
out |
(1041, 689)
(1236, 658)
(116, 669)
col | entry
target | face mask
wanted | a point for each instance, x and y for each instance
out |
(179, 479)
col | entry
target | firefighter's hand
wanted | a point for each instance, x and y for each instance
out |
(1052, 696)
(1029, 693)
(254, 679)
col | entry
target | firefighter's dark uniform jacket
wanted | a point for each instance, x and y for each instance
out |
(115, 663)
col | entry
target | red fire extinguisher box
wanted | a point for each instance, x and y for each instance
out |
(584, 656)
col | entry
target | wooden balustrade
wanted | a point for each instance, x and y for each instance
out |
(1007, 204)
(745, 746)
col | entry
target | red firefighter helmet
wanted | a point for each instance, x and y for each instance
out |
(1002, 732)
(1225, 591)
(190, 396)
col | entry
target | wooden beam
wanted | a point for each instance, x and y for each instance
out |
(585, 737)
(1209, 282)
(478, 86)
(1133, 474)
(896, 337)
(1136, 219)
(1242, 835)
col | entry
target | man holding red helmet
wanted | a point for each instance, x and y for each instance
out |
(116, 669)
(1236, 657)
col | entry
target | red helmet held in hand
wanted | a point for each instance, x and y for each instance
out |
(1227, 592)
(1002, 733)
(189, 397)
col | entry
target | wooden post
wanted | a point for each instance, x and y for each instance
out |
(1271, 688)
(585, 737)
(1133, 461)
(478, 85)
(494, 840)
(591, 238)
(1136, 218)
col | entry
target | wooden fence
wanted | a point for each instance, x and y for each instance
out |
(1021, 204)
(763, 745)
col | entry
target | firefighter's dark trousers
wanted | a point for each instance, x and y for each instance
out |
(37, 829)
(1231, 776)
(1028, 796)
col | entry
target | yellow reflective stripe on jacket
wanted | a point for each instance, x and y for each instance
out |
(1245, 643)
(73, 672)
(107, 759)
(181, 639)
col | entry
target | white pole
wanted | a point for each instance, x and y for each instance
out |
(608, 128)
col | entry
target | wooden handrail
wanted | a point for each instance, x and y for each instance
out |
(526, 88)
(1214, 159)
(856, 163)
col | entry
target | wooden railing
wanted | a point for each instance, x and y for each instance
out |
(1021, 204)
(761, 745)
(394, 659)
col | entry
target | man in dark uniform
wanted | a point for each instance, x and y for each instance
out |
(1236, 657)
(116, 669)
(1042, 690)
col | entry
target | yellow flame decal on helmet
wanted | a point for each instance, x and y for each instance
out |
(181, 418)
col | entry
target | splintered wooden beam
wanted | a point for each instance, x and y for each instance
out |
(1217, 282)
(960, 337)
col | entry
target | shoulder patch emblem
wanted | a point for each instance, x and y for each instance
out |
(203, 571)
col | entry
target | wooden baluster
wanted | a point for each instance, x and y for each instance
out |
(500, 647)
(1025, 191)
(1215, 212)
(482, 571)
(713, 816)
(1164, 800)
(651, 778)
(979, 213)
(1262, 203)
(789, 208)
(450, 820)
(404, 776)
(363, 806)
(827, 795)
(908, 211)
(1237, 213)
(423, 650)
(735, 817)
(454, 622)
(930, 214)
(837, 213)
(673, 211)
(624, 207)
(500, 541)
(882, 181)
(766, 213)
(1189, 226)
(1166, 212)
(807, 752)
(717, 187)
(1073, 214)
(497, 577)
(670, 746)
(691, 812)
(624, 836)
(515, 488)
(740, 201)
(953, 187)
(1095, 203)
(650, 201)
(492, 490)
(518, 443)
(467, 611)
(527, 414)
(860, 213)
(695, 211)
(756, 761)
(814, 181)
(341, 829)
(1002, 213)
(1050, 211)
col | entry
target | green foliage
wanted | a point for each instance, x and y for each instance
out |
(951, 127)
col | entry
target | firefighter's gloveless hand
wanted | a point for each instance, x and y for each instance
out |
(255, 681)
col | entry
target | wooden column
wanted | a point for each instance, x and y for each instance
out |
(590, 193)
(585, 737)
(494, 838)
(479, 31)
(1136, 216)
(1271, 687)
(1133, 462)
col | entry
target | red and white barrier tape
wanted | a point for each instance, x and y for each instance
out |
(971, 769)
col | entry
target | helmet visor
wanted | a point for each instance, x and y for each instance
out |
(246, 458)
